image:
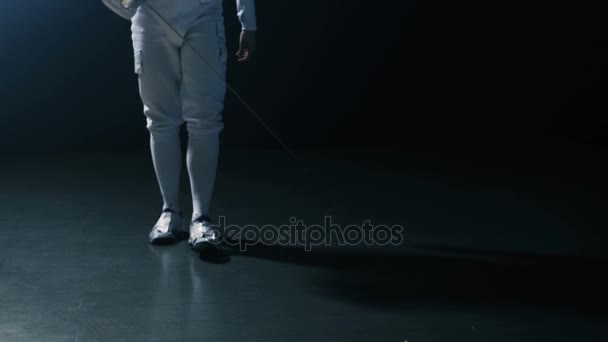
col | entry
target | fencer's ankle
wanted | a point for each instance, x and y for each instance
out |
(172, 210)
(200, 218)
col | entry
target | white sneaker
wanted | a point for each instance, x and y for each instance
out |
(168, 229)
(202, 235)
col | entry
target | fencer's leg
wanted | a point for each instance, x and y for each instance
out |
(202, 159)
(203, 93)
(158, 67)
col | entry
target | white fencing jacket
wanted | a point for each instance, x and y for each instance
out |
(245, 9)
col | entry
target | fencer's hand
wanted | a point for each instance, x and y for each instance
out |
(247, 45)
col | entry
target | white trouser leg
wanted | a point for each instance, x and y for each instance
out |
(203, 92)
(157, 63)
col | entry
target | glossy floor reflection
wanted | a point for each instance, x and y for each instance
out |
(492, 258)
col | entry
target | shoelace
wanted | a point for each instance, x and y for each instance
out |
(200, 230)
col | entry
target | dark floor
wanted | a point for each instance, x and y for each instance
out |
(503, 243)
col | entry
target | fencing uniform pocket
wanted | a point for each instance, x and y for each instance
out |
(139, 63)
(221, 39)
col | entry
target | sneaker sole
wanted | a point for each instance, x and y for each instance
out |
(164, 241)
(202, 247)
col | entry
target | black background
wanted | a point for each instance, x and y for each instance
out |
(327, 73)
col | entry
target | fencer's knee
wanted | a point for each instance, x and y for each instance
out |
(197, 128)
(163, 128)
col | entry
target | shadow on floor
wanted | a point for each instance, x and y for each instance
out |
(464, 277)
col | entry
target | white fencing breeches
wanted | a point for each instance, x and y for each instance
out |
(177, 87)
